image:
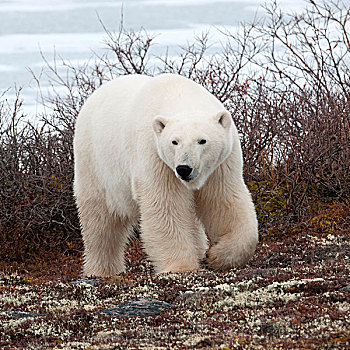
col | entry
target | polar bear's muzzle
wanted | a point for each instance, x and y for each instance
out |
(186, 173)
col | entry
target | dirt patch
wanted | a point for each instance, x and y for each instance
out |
(294, 294)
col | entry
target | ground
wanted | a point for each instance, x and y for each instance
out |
(294, 294)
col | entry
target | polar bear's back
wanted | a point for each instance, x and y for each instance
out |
(124, 96)
(105, 115)
(174, 94)
(102, 141)
(115, 93)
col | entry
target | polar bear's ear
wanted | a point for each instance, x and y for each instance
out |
(159, 123)
(224, 118)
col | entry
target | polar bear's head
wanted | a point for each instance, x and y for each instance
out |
(194, 147)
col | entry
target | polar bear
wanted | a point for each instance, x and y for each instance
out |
(163, 152)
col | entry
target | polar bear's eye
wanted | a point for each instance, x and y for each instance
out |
(174, 142)
(202, 141)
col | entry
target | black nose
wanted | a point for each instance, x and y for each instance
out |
(184, 171)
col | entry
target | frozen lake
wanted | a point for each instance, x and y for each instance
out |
(72, 30)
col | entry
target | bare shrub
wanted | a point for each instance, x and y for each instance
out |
(36, 174)
(285, 80)
(300, 106)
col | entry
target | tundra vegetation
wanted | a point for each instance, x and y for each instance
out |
(286, 81)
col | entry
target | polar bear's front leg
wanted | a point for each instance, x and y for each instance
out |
(105, 236)
(229, 217)
(173, 237)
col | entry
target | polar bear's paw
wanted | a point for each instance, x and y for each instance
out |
(223, 256)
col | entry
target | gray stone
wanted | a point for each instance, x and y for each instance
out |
(142, 306)
(20, 314)
(91, 281)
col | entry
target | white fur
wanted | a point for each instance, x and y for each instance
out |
(125, 170)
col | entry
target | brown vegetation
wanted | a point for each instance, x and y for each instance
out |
(294, 294)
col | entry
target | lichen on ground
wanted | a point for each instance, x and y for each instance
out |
(293, 294)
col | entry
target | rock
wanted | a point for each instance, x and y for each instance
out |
(90, 281)
(345, 289)
(142, 306)
(20, 314)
